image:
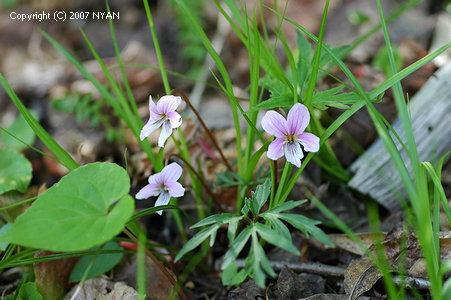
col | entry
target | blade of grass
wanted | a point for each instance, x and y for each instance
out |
(167, 88)
(254, 61)
(126, 112)
(419, 199)
(131, 98)
(43, 135)
(383, 133)
(268, 59)
(316, 60)
(105, 94)
(225, 76)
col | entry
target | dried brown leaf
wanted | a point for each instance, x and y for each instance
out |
(360, 276)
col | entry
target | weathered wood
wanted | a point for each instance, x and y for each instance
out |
(430, 111)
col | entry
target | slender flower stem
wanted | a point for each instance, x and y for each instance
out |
(286, 172)
(162, 268)
(176, 213)
(202, 123)
(201, 180)
(273, 166)
(184, 156)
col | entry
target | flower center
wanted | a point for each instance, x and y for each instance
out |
(290, 138)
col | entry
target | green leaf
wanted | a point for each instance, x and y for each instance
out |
(219, 219)
(304, 61)
(236, 246)
(330, 98)
(76, 213)
(381, 60)
(278, 225)
(273, 237)
(258, 263)
(19, 128)
(260, 196)
(15, 171)
(284, 100)
(246, 207)
(283, 207)
(307, 226)
(3, 230)
(101, 264)
(29, 291)
(196, 240)
(446, 290)
(231, 276)
(338, 51)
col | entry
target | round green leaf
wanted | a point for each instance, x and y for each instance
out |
(15, 171)
(102, 263)
(76, 213)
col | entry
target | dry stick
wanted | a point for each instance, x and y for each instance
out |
(333, 271)
(202, 181)
(210, 135)
(159, 265)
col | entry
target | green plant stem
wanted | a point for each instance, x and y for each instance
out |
(201, 180)
(162, 268)
(273, 166)
(281, 187)
(204, 126)
(141, 266)
(19, 203)
(175, 212)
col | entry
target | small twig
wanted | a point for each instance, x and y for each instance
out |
(209, 133)
(413, 282)
(168, 275)
(315, 268)
(333, 271)
(202, 181)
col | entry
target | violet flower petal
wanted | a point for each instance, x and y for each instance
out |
(174, 118)
(156, 179)
(150, 127)
(298, 119)
(166, 132)
(293, 153)
(274, 124)
(163, 199)
(168, 103)
(175, 189)
(154, 114)
(309, 141)
(171, 172)
(275, 149)
(149, 190)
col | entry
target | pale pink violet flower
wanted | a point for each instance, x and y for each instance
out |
(162, 114)
(164, 185)
(289, 134)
